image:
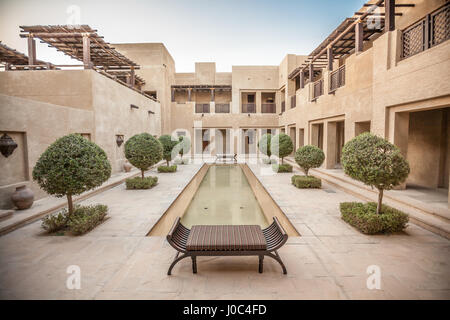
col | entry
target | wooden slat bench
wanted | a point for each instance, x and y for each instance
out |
(226, 157)
(227, 241)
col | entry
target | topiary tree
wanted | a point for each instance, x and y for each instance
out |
(264, 144)
(375, 162)
(308, 157)
(143, 151)
(168, 144)
(281, 146)
(184, 145)
(71, 166)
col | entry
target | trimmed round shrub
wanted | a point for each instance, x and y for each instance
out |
(168, 145)
(364, 217)
(308, 157)
(376, 162)
(71, 166)
(143, 151)
(264, 144)
(184, 145)
(141, 183)
(167, 169)
(281, 146)
(306, 182)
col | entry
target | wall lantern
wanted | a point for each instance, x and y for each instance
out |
(133, 106)
(119, 140)
(7, 145)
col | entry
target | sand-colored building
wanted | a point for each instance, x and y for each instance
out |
(385, 70)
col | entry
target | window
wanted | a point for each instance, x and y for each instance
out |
(251, 98)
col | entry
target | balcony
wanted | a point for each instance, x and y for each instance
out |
(317, 89)
(293, 101)
(248, 108)
(268, 108)
(426, 33)
(222, 108)
(202, 108)
(337, 79)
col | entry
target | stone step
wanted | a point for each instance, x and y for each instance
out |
(426, 219)
(5, 214)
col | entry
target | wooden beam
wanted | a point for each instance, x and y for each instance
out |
(31, 51)
(213, 95)
(349, 28)
(87, 52)
(189, 94)
(359, 38)
(400, 5)
(382, 14)
(302, 79)
(132, 77)
(390, 15)
(330, 59)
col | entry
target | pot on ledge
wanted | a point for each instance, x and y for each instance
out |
(127, 166)
(23, 197)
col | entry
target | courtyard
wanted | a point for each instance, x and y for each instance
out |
(328, 261)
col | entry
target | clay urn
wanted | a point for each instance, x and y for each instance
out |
(23, 197)
(127, 166)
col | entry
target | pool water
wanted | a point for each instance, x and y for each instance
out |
(224, 197)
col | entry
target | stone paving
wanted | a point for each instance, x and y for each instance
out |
(118, 261)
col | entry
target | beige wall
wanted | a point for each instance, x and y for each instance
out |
(104, 111)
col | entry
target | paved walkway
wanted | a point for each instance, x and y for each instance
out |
(329, 261)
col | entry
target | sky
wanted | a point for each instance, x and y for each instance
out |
(228, 32)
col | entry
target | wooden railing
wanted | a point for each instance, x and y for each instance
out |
(248, 108)
(202, 108)
(293, 101)
(268, 108)
(430, 31)
(317, 89)
(337, 79)
(283, 106)
(222, 108)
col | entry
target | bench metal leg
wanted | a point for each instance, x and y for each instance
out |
(175, 261)
(261, 262)
(194, 264)
(277, 258)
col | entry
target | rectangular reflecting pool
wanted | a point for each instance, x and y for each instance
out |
(224, 197)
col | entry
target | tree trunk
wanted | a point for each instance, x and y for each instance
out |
(306, 171)
(167, 162)
(282, 160)
(70, 203)
(142, 173)
(380, 200)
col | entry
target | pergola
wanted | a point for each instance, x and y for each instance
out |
(349, 37)
(82, 43)
(190, 88)
(10, 56)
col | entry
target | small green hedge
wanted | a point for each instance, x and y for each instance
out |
(167, 169)
(181, 162)
(141, 183)
(306, 182)
(83, 219)
(87, 218)
(281, 168)
(269, 161)
(364, 217)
